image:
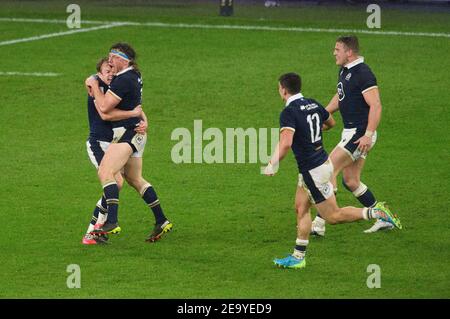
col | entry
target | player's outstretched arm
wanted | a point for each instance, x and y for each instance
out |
(333, 105)
(283, 147)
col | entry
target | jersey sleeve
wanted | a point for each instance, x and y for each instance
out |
(119, 87)
(287, 120)
(324, 114)
(366, 80)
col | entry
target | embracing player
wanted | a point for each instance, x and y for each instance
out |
(301, 124)
(358, 100)
(126, 151)
(100, 137)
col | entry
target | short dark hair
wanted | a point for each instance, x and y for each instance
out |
(128, 50)
(350, 41)
(100, 63)
(291, 82)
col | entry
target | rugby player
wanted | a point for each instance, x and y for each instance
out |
(301, 124)
(125, 93)
(358, 100)
(100, 136)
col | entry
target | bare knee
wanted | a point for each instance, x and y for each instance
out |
(119, 181)
(134, 182)
(105, 174)
(301, 210)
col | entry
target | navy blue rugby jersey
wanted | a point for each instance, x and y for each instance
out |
(353, 80)
(127, 85)
(98, 129)
(305, 117)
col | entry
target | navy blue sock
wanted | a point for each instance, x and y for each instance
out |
(97, 210)
(103, 204)
(111, 194)
(367, 199)
(104, 208)
(363, 195)
(152, 201)
(95, 215)
(300, 248)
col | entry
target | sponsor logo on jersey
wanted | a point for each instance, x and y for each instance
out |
(308, 107)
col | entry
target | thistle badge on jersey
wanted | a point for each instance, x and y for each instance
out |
(340, 91)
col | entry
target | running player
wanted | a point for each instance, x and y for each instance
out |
(301, 124)
(358, 100)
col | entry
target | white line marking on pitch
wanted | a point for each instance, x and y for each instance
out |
(289, 29)
(237, 27)
(58, 34)
(56, 21)
(30, 73)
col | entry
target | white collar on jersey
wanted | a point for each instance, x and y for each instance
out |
(293, 98)
(125, 70)
(350, 65)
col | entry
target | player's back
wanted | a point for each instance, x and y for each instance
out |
(98, 128)
(305, 117)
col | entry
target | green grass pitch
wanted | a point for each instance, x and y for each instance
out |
(229, 221)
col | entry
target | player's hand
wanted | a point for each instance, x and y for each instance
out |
(270, 170)
(364, 144)
(88, 86)
(89, 90)
(91, 81)
(138, 111)
(141, 128)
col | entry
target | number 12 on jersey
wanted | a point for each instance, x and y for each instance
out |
(314, 129)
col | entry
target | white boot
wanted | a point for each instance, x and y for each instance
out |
(379, 225)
